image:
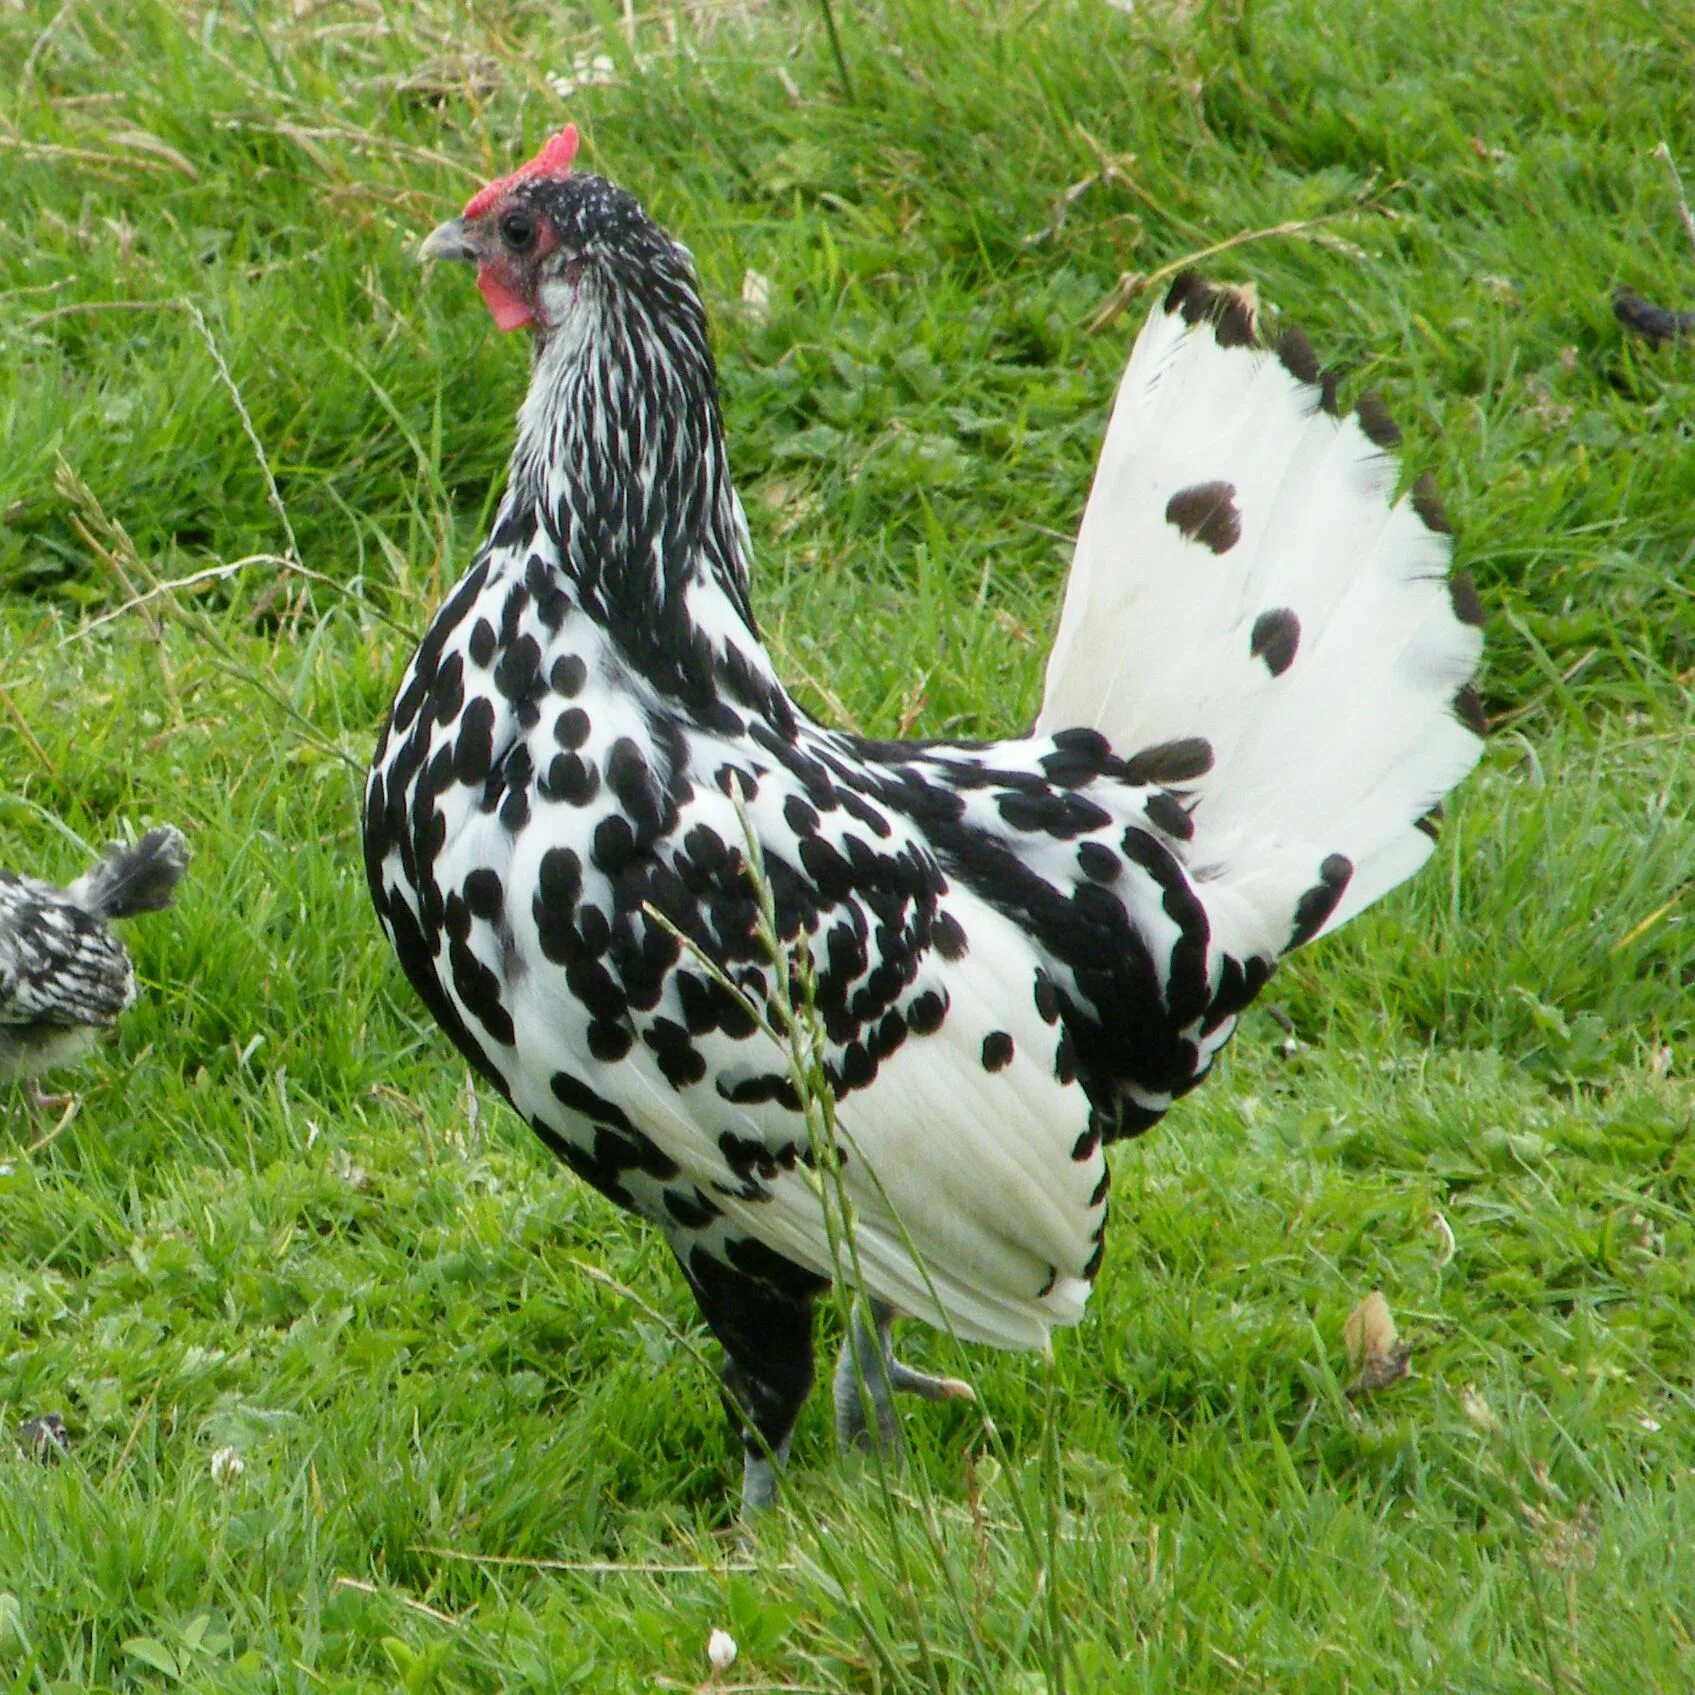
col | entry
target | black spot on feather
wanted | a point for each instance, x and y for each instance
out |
(614, 844)
(518, 669)
(1380, 429)
(479, 989)
(447, 691)
(693, 1211)
(1462, 591)
(483, 893)
(924, 1016)
(1170, 762)
(1296, 354)
(997, 1050)
(571, 727)
(947, 936)
(1096, 860)
(568, 674)
(473, 753)
(1427, 503)
(1165, 812)
(579, 1097)
(1232, 320)
(1188, 295)
(1065, 1059)
(1317, 904)
(1276, 635)
(609, 1042)
(1231, 317)
(1206, 512)
(1468, 708)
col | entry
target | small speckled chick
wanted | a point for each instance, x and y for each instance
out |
(64, 976)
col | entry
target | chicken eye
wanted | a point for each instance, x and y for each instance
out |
(518, 230)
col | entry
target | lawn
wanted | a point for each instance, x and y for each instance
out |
(361, 1392)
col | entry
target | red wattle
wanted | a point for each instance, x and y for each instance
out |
(509, 311)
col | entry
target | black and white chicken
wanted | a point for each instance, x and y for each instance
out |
(1026, 949)
(64, 977)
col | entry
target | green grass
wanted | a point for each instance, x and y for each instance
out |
(282, 1223)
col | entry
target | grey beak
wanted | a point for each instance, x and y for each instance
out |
(451, 240)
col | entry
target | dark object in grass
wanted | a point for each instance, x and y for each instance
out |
(44, 1438)
(1021, 951)
(64, 976)
(1658, 324)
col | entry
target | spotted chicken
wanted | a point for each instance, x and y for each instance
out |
(1025, 949)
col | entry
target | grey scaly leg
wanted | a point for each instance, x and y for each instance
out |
(867, 1370)
(760, 1477)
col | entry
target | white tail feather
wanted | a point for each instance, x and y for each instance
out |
(1334, 730)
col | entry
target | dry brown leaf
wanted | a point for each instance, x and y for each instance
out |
(1375, 1349)
(756, 296)
(1478, 1410)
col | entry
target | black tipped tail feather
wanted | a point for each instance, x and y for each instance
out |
(1245, 576)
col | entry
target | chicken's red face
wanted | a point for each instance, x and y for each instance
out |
(575, 259)
(508, 229)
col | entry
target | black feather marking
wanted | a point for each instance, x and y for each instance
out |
(568, 675)
(1317, 904)
(1096, 860)
(1189, 295)
(1276, 636)
(1462, 591)
(924, 1017)
(692, 1210)
(1427, 503)
(947, 936)
(1165, 812)
(483, 894)
(1468, 708)
(1206, 512)
(1233, 320)
(1296, 354)
(1170, 762)
(1231, 317)
(1380, 429)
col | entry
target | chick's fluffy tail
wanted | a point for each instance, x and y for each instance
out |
(136, 879)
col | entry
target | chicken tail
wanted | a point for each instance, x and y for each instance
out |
(1245, 578)
(136, 879)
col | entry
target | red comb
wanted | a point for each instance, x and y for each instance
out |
(554, 160)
